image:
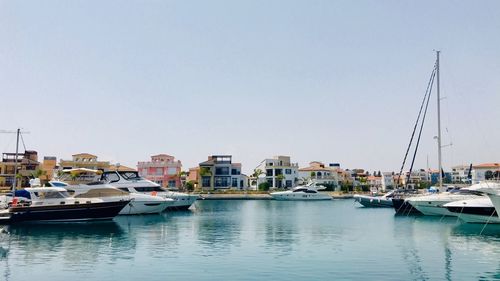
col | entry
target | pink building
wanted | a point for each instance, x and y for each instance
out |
(162, 169)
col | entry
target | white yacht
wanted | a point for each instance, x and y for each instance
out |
(133, 183)
(139, 204)
(433, 204)
(305, 192)
(479, 210)
(492, 189)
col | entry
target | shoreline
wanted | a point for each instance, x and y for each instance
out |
(259, 196)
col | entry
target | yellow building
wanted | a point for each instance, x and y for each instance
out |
(27, 164)
(48, 167)
(84, 160)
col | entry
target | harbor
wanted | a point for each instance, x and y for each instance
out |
(252, 240)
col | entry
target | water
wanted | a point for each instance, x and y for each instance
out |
(255, 240)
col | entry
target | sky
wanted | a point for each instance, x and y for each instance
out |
(332, 81)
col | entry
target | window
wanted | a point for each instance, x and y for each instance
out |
(235, 182)
(172, 183)
(269, 172)
(172, 171)
(159, 171)
(110, 177)
(222, 171)
(235, 172)
(148, 189)
(278, 172)
(205, 181)
(130, 175)
(222, 181)
(288, 171)
(288, 183)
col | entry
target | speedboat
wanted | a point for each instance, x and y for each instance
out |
(133, 183)
(432, 204)
(54, 204)
(304, 192)
(384, 201)
(479, 210)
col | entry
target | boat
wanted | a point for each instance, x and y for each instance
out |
(367, 201)
(54, 204)
(479, 210)
(139, 204)
(130, 181)
(433, 204)
(492, 189)
(302, 192)
(401, 205)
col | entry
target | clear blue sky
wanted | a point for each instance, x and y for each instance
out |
(335, 81)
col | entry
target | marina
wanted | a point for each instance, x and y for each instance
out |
(255, 240)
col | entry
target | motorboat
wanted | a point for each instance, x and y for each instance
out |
(479, 210)
(384, 201)
(139, 204)
(304, 192)
(433, 204)
(130, 181)
(54, 204)
(492, 189)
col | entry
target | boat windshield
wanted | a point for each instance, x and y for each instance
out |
(102, 192)
(52, 194)
(130, 175)
(300, 190)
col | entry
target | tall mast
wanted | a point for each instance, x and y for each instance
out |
(15, 163)
(439, 124)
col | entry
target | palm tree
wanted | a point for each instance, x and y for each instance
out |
(280, 178)
(256, 174)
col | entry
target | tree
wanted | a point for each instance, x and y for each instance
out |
(257, 173)
(313, 174)
(264, 186)
(205, 171)
(38, 173)
(189, 186)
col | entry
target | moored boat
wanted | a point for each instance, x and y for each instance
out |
(384, 201)
(304, 192)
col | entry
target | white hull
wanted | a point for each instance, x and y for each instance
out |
(495, 199)
(469, 218)
(180, 200)
(144, 207)
(432, 205)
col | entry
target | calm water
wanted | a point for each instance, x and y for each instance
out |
(255, 240)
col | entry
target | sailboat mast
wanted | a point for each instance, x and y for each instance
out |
(15, 162)
(439, 124)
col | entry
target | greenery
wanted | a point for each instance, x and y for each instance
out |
(313, 174)
(189, 186)
(205, 171)
(264, 186)
(38, 173)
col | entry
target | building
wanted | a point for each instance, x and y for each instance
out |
(279, 172)
(321, 174)
(387, 181)
(219, 172)
(485, 171)
(84, 160)
(162, 169)
(375, 182)
(49, 168)
(27, 166)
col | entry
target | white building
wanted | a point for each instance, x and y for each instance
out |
(279, 172)
(321, 174)
(486, 171)
(387, 181)
(460, 173)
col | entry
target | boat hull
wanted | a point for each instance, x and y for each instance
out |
(475, 214)
(403, 207)
(64, 212)
(181, 201)
(373, 201)
(144, 207)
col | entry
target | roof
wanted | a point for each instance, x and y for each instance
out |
(488, 165)
(84, 155)
(312, 169)
(162, 155)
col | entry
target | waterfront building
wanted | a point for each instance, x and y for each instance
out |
(375, 182)
(321, 174)
(120, 168)
(460, 174)
(485, 171)
(27, 164)
(162, 169)
(49, 168)
(84, 160)
(219, 173)
(387, 181)
(278, 172)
